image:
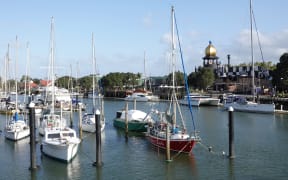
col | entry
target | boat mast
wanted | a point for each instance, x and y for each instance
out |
(145, 71)
(6, 71)
(70, 82)
(52, 63)
(77, 71)
(8, 85)
(93, 73)
(252, 52)
(26, 73)
(173, 69)
(16, 86)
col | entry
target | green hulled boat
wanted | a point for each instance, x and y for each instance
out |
(137, 120)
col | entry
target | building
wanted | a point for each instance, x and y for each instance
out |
(235, 79)
(210, 59)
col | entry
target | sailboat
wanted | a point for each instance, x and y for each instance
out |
(59, 142)
(239, 103)
(165, 131)
(7, 98)
(49, 118)
(88, 120)
(142, 95)
(4, 96)
(16, 128)
(75, 95)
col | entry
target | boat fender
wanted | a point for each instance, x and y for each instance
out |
(210, 148)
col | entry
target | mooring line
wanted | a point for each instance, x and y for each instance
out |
(84, 153)
(209, 149)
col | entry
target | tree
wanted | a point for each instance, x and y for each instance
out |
(65, 82)
(36, 81)
(86, 82)
(206, 78)
(201, 79)
(24, 77)
(266, 65)
(113, 80)
(280, 74)
(120, 80)
(192, 80)
(179, 78)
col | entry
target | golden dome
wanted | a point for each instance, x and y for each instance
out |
(210, 50)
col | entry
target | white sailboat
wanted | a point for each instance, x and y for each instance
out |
(4, 97)
(88, 120)
(197, 99)
(142, 95)
(17, 127)
(50, 119)
(7, 99)
(240, 103)
(138, 96)
(59, 142)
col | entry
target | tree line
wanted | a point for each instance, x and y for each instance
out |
(202, 78)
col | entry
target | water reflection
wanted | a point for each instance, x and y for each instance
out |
(73, 168)
(231, 169)
(182, 164)
(281, 122)
(193, 165)
(99, 173)
(21, 146)
(51, 168)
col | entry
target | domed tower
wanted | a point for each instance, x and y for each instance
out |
(210, 59)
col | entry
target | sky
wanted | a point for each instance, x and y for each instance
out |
(125, 30)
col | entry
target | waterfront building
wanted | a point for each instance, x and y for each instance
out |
(235, 79)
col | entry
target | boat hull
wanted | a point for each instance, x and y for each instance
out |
(88, 123)
(91, 127)
(17, 130)
(138, 99)
(252, 107)
(177, 145)
(132, 125)
(17, 135)
(60, 151)
(201, 101)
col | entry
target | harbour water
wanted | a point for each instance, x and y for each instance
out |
(260, 148)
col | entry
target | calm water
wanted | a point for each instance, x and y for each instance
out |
(260, 147)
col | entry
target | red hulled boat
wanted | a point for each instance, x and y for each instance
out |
(165, 133)
(179, 141)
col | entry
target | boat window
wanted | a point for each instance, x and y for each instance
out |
(68, 134)
(51, 136)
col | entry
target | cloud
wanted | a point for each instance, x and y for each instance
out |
(166, 38)
(273, 45)
(147, 20)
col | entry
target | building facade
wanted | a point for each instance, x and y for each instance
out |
(236, 79)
